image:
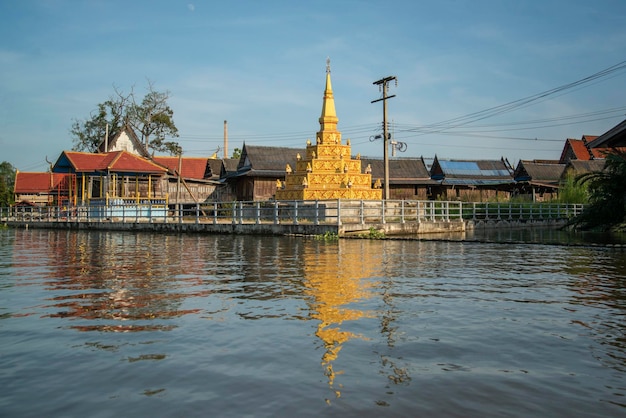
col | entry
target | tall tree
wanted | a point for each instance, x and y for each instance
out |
(7, 181)
(607, 194)
(152, 119)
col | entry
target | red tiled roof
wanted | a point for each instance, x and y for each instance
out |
(191, 167)
(31, 183)
(85, 162)
(120, 161)
(589, 138)
(127, 162)
(580, 149)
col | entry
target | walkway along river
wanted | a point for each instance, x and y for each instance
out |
(341, 217)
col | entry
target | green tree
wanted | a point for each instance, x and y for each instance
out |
(571, 191)
(607, 194)
(152, 119)
(7, 181)
(236, 153)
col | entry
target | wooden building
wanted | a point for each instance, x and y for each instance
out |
(41, 189)
(409, 179)
(258, 169)
(538, 180)
(579, 149)
(111, 175)
(196, 182)
(595, 147)
(577, 167)
(472, 180)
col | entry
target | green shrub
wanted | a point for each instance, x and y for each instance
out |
(373, 234)
(327, 236)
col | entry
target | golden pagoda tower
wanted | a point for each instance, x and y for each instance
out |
(327, 171)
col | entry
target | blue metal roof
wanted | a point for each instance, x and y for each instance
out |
(476, 182)
(471, 168)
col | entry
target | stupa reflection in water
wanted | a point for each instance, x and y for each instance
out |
(334, 281)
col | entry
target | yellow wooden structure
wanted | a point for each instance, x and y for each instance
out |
(328, 171)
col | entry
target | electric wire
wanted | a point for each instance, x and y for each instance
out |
(360, 134)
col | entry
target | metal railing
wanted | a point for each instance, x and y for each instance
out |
(334, 212)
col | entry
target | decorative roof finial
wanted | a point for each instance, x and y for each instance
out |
(328, 64)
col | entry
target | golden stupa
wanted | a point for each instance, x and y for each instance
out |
(328, 171)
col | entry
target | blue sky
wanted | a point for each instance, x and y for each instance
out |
(261, 66)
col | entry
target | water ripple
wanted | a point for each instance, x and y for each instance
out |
(165, 325)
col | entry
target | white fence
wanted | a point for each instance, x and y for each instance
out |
(333, 212)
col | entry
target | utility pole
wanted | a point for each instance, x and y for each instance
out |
(225, 139)
(383, 84)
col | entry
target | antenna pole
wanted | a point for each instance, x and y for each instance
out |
(383, 83)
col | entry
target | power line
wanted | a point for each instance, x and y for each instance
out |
(516, 104)
(451, 126)
(616, 111)
(366, 130)
(483, 131)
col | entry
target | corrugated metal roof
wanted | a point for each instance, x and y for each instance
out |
(580, 167)
(538, 171)
(401, 170)
(268, 158)
(473, 169)
(475, 182)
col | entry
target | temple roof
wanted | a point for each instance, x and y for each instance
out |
(266, 161)
(118, 161)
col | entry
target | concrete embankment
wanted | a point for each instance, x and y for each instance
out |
(185, 227)
(431, 228)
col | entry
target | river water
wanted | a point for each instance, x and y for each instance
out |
(111, 324)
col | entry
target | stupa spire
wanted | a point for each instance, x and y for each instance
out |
(328, 119)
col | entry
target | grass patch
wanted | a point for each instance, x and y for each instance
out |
(373, 234)
(327, 236)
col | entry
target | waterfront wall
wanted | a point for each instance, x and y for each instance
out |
(339, 217)
(185, 227)
(389, 229)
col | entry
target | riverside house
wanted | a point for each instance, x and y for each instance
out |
(409, 178)
(258, 169)
(538, 180)
(41, 189)
(101, 179)
(472, 180)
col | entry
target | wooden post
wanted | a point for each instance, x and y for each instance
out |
(180, 164)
